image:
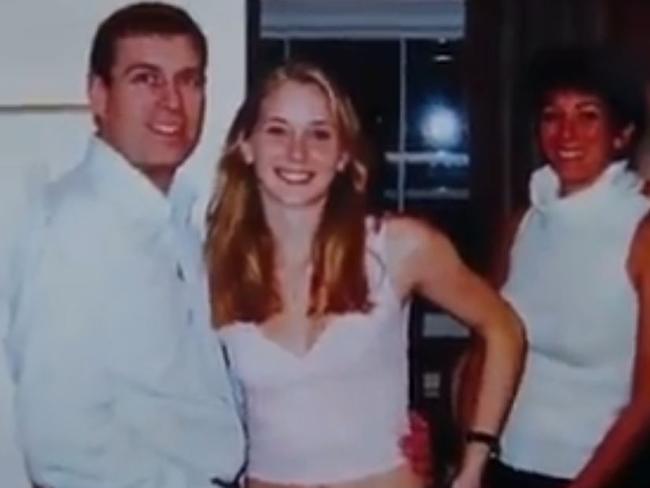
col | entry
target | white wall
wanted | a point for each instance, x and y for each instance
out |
(44, 122)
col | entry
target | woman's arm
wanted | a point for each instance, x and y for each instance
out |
(422, 260)
(467, 371)
(630, 429)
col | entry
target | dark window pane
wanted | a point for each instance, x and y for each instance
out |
(385, 189)
(369, 71)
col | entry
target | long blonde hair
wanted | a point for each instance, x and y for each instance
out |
(240, 250)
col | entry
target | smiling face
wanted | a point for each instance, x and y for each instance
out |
(151, 110)
(295, 146)
(578, 137)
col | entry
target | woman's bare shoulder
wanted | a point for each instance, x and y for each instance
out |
(408, 233)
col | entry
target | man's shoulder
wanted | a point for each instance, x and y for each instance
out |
(70, 202)
(68, 187)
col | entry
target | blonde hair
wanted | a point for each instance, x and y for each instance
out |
(240, 250)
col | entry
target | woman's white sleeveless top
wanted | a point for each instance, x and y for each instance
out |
(569, 282)
(336, 413)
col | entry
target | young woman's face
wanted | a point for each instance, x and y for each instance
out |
(295, 146)
(578, 137)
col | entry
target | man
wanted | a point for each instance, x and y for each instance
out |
(120, 381)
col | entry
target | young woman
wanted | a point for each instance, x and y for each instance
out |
(310, 294)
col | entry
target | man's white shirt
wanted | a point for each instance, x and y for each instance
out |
(18, 187)
(120, 381)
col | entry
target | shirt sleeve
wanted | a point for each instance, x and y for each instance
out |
(13, 215)
(65, 403)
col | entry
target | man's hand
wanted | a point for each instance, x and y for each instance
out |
(416, 447)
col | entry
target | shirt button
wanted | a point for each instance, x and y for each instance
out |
(179, 272)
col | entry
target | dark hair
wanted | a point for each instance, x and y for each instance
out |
(596, 70)
(142, 19)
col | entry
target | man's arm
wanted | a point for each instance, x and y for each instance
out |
(12, 466)
(416, 446)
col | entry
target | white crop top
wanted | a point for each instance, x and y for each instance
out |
(337, 412)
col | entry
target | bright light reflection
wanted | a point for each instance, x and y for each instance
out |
(441, 127)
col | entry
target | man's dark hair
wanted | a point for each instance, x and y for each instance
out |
(142, 19)
(596, 70)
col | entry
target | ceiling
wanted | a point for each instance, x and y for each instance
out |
(363, 18)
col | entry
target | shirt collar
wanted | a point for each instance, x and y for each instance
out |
(545, 186)
(132, 192)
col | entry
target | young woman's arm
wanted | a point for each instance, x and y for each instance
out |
(422, 260)
(633, 424)
(467, 371)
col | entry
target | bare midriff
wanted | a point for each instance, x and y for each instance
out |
(401, 476)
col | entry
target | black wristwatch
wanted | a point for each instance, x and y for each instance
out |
(491, 440)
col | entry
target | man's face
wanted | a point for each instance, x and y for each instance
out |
(151, 110)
